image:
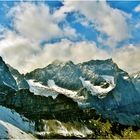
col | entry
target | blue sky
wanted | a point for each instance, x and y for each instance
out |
(108, 29)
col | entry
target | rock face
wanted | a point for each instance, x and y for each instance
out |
(69, 92)
(6, 79)
(7, 82)
(31, 105)
(20, 79)
(136, 80)
(102, 77)
(64, 74)
(106, 86)
(124, 92)
(41, 107)
(123, 98)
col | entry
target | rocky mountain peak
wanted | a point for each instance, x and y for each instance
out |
(20, 79)
(61, 63)
(99, 62)
(6, 78)
(67, 91)
(57, 62)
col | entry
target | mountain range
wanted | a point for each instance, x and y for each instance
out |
(66, 100)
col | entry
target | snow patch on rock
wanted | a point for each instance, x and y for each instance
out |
(99, 90)
(39, 89)
(10, 116)
(14, 126)
(9, 131)
(61, 90)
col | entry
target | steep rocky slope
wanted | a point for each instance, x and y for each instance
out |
(98, 84)
(136, 80)
(20, 79)
(14, 126)
(6, 79)
(39, 107)
(64, 74)
(63, 99)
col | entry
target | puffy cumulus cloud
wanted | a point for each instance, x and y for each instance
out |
(137, 8)
(67, 50)
(36, 23)
(105, 19)
(70, 32)
(33, 24)
(17, 51)
(75, 51)
(128, 58)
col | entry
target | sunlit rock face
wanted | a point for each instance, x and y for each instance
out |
(57, 129)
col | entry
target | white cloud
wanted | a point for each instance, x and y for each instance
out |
(25, 56)
(107, 20)
(67, 50)
(2, 30)
(17, 51)
(75, 51)
(69, 32)
(35, 21)
(128, 58)
(137, 8)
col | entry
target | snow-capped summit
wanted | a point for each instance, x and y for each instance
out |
(102, 78)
